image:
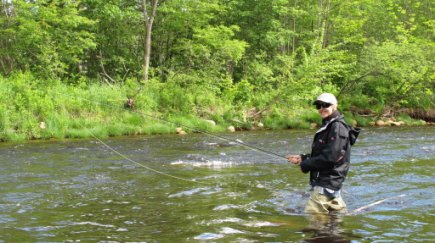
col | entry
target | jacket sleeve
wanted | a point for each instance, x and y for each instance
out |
(331, 153)
(305, 156)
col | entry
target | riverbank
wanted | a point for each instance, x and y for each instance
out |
(49, 109)
(115, 120)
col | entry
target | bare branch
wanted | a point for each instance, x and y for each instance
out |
(104, 73)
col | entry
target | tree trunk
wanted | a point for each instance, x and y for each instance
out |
(294, 29)
(319, 18)
(147, 52)
(326, 25)
(148, 21)
(6, 62)
(322, 21)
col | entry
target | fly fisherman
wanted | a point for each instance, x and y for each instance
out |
(328, 162)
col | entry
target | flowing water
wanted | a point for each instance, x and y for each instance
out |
(81, 191)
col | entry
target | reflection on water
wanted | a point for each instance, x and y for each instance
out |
(325, 228)
(71, 191)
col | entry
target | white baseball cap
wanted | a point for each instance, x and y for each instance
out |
(326, 98)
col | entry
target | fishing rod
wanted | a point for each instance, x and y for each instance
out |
(236, 141)
(173, 123)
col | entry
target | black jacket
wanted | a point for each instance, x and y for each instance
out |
(329, 160)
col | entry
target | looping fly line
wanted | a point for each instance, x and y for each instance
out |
(237, 141)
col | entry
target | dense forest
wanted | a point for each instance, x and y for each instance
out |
(66, 65)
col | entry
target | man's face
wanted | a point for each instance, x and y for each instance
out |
(325, 109)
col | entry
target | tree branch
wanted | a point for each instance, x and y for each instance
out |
(104, 70)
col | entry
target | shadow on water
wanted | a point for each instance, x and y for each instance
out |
(69, 191)
(326, 228)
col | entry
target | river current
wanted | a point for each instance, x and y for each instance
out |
(198, 188)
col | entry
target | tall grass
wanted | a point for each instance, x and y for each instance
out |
(31, 108)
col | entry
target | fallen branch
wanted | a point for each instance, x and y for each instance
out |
(373, 204)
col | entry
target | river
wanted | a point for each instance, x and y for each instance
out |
(197, 188)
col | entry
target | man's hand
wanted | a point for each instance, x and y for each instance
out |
(294, 159)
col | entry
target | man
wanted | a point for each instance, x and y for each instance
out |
(328, 162)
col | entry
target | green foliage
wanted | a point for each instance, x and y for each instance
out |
(118, 30)
(260, 74)
(275, 122)
(243, 92)
(25, 103)
(311, 116)
(398, 72)
(73, 64)
(297, 123)
(173, 98)
(218, 41)
(409, 121)
(48, 38)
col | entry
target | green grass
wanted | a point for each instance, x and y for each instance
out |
(311, 116)
(157, 128)
(275, 122)
(362, 121)
(409, 121)
(76, 111)
(297, 123)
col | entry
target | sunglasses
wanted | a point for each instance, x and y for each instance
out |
(322, 105)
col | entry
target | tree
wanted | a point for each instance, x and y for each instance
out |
(398, 74)
(119, 38)
(6, 36)
(149, 9)
(47, 37)
(175, 30)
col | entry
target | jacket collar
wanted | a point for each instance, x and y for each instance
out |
(336, 115)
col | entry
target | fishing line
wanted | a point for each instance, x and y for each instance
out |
(237, 141)
(173, 123)
(139, 164)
